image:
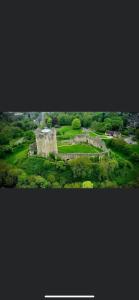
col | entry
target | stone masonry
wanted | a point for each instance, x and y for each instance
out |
(46, 141)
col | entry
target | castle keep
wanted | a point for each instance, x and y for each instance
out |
(45, 142)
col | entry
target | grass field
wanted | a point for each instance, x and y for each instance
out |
(19, 153)
(78, 148)
(101, 135)
(66, 132)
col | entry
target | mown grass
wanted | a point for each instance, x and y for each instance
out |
(101, 135)
(78, 148)
(18, 154)
(66, 132)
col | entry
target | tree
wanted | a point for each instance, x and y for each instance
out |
(56, 185)
(113, 123)
(49, 122)
(87, 185)
(108, 184)
(38, 181)
(137, 134)
(76, 124)
(74, 185)
(81, 167)
(87, 119)
(51, 178)
(98, 126)
(29, 135)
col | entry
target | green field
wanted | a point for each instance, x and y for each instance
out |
(66, 132)
(98, 134)
(18, 154)
(78, 148)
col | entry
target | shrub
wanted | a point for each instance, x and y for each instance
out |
(29, 135)
(37, 181)
(47, 164)
(76, 124)
(60, 165)
(108, 184)
(135, 157)
(56, 185)
(81, 167)
(87, 184)
(73, 185)
(137, 134)
(51, 178)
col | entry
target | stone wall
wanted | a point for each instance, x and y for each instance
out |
(46, 142)
(67, 156)
(84, 138)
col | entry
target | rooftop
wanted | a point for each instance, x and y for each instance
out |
(46, 130)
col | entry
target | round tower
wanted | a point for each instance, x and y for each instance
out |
(46, 141)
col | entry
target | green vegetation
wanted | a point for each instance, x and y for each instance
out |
(66, 132)
(76, 124)
(78, 148)
(119, 169)
(87, 185)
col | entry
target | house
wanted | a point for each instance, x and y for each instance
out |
(113, 133)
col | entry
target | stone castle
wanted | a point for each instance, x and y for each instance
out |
(46, 142)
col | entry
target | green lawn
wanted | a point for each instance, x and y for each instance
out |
(66, 132)
(78, 148)
(101, 135)
(19, 153)
(135, 148)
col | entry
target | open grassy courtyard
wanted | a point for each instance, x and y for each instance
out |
(78, 148)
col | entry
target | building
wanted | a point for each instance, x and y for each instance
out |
(46, 142)
(113, 133)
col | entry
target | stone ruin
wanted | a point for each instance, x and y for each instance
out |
(46, 143)
(85, 138)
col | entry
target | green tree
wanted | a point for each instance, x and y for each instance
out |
(74, 185)
(81, 167)
(137, 134)
(51, 178)
(49, 122)
(87, 119)
(87, 185)
(76, 124)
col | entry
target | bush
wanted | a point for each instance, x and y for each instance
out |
(52, 156)
(108, 184)
(51, 178)
(74, 185)
(137, 134)
(87, 185)
(47, 164)
(3, 139)
(135, 157)
(81, 167)
(37, 182)
(76, 124)
(29, 135)
(4, 150)
(60, 165)
(56, 185)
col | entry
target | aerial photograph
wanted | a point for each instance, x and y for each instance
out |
(73, 150)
